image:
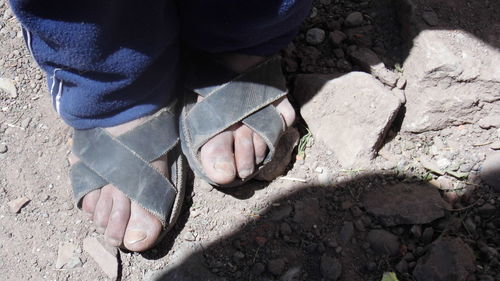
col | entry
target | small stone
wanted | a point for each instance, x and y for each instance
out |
(7, 86)
(276, 266)
(430, 17)
(3, 148)
(447, 259)
(346, 233)
(428, 235)
(331, 268)
(354, 19)
(258, 269)
(416, 230)
(105, 257)
(26, 122)
(383, 242)
(402, 266)
(314, 12)
(238, 255)
(337, 37)
(315, 36)
(359, 225)
(16, 205)
(66, 256)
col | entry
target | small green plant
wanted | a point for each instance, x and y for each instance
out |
(304, 142)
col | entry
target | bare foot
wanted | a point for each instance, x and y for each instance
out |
(236, 151)
(121, 221)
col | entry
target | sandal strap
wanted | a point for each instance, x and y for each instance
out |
(125, 162)
(231, 102)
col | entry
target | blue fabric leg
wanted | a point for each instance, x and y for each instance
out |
(257, 27)
(108, 61)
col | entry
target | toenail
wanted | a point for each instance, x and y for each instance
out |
(224, 166)
(113, 242)
(259, 159)
(100, 229)
(245, 173)
(134, 236)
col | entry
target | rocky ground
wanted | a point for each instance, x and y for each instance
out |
(396, 174)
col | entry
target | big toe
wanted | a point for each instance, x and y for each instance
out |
(217, 158)
(142, 230)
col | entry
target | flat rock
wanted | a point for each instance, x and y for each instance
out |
(447, 259)
(490, 169)
(16, 205)
(105, 257)
(7, 86)
(354, 19)
(331, 268)
(448, 86)
(383, 242)
(66, 256)
(404, 204)
(307, 212)
(282, 156)
(276, 266)
(350, 113)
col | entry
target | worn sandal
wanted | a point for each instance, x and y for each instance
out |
(230, 98)
(124, 161)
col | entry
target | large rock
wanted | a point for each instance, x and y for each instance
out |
(404, 204)
(452, 77)
(350, 113)
(447, 259)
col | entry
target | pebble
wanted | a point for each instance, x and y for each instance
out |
(430, 17)
(105, 257)
(337, 37)
(16, 205)
(276, 266)
(7, 85)
(490, 171)
(428, 235)
(3, 148)
(346, 233)
(383, 242)
(354, 19)
(315, 36)
(331, 268)
(66, 256)
(258, 269)
(402, 266)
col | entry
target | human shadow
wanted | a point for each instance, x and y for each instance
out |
(323, 230)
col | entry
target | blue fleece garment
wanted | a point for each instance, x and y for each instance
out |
(112, 61)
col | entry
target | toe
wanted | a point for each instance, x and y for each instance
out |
(142, 230)
(118, 219)
(89, 202)
(243, 151)
(260, 148)
(217, 158)
(103, 208)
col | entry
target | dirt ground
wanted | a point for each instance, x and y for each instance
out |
(320, 221)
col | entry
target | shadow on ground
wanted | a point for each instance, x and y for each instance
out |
(323, 233)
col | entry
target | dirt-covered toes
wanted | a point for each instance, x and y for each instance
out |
(237, 151)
